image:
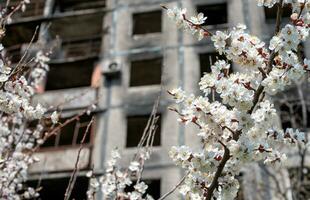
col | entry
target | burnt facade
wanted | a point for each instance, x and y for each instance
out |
(122, 54)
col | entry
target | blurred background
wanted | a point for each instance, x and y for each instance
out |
(123, 54)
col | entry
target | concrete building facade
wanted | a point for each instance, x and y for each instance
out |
(121, 55)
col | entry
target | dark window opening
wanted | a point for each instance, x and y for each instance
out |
(19, 34)
(14, 53)
(70, 75)
(292, 114)
(207, 60)
(285, 116)
(34, 8)
(147, 22)
(72, 5)
(153, 188)
(71, 134)
(146, 72)
(216, 13)
(53, 189)
(16, 36)
(135, 128)
(50, 142)
(77, 28)
(271, 13)
(300, 188)
(82, 48)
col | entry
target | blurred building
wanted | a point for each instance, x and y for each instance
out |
(118, 53)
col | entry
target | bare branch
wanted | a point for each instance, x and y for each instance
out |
(76, 167)
(175, 187)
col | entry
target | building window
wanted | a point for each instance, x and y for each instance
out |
(146, 72)
(135, 129)
(212, 11)
(207, 60)
(81, 48)
(16, 36)
(285, 116)
(77, 28)
(70, 75)
(271, 13)
(72, 5)
(56, 188)
(147, 22)
(79, 37)
(71, 134)
(153, 188)
(291, 114)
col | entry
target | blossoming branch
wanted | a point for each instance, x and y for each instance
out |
(242, 126)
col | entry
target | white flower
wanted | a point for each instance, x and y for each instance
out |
(184, 153)
(178, 94)
(184, 189)
(149, 197)
(276, 43)
(55, 117)
(89, 174)
(135, 196)
(199, 19)
(201, 34)
(94, 183)
(307, 63)
(219, 40)
(141, 187)
(134, 166)
(267, 3)
(115, 154)
(195, 196)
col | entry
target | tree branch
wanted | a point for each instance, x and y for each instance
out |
(175, 187)
(76, 167)
(256, 98)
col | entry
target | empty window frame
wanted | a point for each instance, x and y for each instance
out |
(217, 13)
(135, 128)
(77, 28)
(147, 22)
(71, 134)
(81, 48)
(56, 188)
(70, 75)
(72, 5)
(16, 36)
(146, 72)
(271, 13)
(207, 60)
(291, 114)
(153, 188)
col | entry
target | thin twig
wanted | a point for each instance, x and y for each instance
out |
(175, 187)
(76, 167)
(275, 180)
(28, 47)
